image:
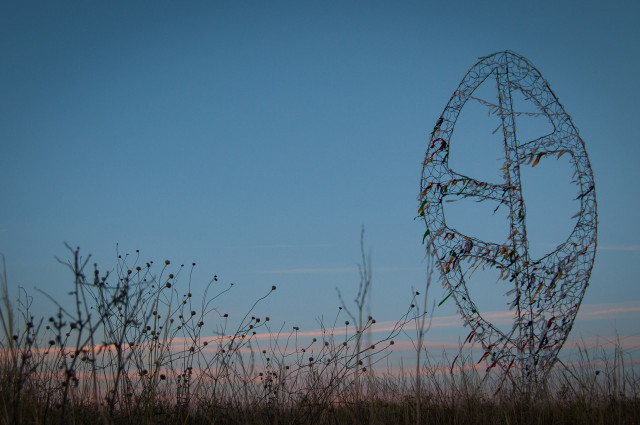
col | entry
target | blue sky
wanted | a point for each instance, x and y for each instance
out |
(257, 138)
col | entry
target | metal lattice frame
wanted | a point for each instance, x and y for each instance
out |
(545, 294)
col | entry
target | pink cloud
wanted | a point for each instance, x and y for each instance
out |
(624, 343)
(607, 310)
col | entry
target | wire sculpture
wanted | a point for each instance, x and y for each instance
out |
(544, 294)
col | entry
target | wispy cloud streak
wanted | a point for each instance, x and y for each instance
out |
(285, 245)
(608, 312)
(316, 270)
(312, 270)
(619, 247)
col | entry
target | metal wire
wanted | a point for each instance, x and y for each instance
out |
(545, 294)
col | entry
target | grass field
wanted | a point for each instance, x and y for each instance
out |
(132, 350)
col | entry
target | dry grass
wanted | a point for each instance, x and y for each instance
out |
(132, 350)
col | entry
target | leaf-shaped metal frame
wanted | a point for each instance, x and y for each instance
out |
(545, 293)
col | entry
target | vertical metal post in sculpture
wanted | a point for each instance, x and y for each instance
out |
(545, 294)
